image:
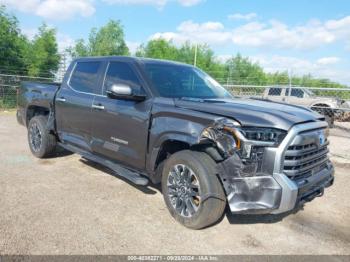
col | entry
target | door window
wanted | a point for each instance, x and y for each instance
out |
(297, 92)
(275, 91)
(120, 73)
(85, 77)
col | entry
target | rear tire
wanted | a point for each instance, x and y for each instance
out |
(42, 144)
(205, 201)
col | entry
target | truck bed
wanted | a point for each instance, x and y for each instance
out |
(35, 94)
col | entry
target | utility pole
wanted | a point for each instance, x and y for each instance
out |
(195, 55)
(290, 83)
(64, 64)
(229, 80)
(290, 77)
(62, 67)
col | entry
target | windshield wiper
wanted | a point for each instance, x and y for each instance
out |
(192, 99)
(202, 100)
(215, 100)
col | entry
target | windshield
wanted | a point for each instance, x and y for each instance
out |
(178, 81)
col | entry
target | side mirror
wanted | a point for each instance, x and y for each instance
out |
(125, 92)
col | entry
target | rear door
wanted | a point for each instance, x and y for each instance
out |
(120, 128)
(74, 101)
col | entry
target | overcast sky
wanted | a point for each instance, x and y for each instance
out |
(304, 36)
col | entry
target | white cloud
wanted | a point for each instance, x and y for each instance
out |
(64, 41)
(133, 46)
(53, 9)
(189, 2)
(322, 68)
(338, 24)
(209, 32)
(277, 34)
(328, 60)
(157, 3)
(64, 9)
(190, 27)
(29, 32)
(22, 6)
(273, 34)
(239, 16)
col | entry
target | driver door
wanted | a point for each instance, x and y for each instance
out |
(120, 128)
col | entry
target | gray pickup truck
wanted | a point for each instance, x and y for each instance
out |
(330, 107)
(171, 123)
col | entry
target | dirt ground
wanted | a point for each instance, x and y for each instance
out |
(64, 205)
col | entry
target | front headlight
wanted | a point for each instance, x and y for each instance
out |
(254, 139)
(242, 148)
(271, 135)
(246, 143)
(229, 136)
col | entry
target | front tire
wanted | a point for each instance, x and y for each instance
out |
(191, 190)
(42, 144)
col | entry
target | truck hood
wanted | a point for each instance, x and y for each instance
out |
(251, 112)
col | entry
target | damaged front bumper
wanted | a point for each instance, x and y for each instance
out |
(274, 192)
(260, 194)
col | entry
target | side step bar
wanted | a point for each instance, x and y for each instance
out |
(121, 171)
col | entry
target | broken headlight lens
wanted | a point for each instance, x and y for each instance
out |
(242, 148)
(225, 142)
(271, 135)
(230, 137)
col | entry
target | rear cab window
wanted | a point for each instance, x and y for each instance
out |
(85, 77)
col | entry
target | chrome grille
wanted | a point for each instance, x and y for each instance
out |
(305, 156)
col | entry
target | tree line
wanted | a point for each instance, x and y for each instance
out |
(40, 56)
(19, 55)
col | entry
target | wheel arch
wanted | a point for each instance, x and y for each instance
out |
(323, 104)
(323, 108)
(34, 110)
(170, 145)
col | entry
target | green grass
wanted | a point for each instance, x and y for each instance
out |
(10, 103)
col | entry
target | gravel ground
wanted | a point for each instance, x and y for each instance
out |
(67, 206)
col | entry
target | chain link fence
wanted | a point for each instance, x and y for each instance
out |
(9, 84)
(334, 103)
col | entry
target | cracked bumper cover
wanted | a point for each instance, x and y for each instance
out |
(274, 194)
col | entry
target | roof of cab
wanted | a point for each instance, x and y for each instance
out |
(140, 60)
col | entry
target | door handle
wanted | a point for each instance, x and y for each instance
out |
(99, 107)
(61, 99)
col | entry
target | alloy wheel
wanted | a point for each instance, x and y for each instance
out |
(35, 137)
(184, 190)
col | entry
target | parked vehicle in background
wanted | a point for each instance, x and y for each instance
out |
(173, 124)
(327, 106)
